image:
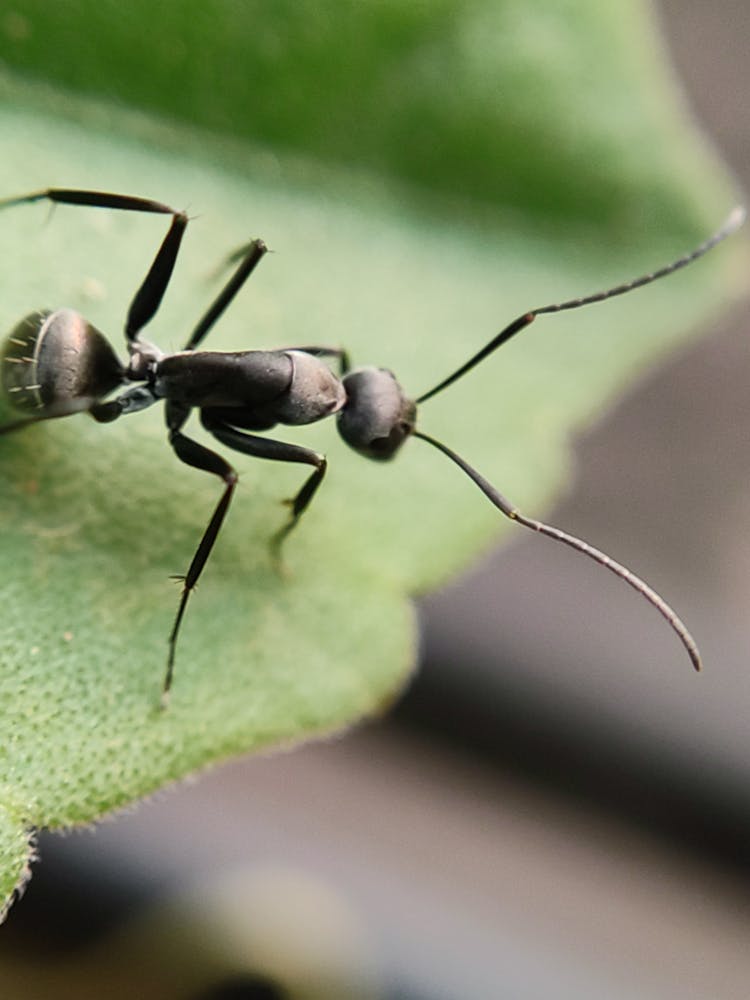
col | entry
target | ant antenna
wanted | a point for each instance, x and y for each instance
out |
(507, 508)
(734, 221)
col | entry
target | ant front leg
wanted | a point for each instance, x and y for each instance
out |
(198, 457)
(276, 451)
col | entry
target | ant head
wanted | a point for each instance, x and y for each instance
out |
(377, 417)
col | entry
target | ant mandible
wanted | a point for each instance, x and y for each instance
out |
(55, 363)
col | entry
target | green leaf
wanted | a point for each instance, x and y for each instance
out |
(563, 108)
(426, 174)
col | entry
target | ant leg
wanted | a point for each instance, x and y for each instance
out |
(148, 298)
(149, 295)
(277, 451)
(93, 199)
(198, 457)
(251, 255)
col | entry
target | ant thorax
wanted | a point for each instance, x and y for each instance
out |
(314, 391)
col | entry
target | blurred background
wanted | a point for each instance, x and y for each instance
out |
(543, 815)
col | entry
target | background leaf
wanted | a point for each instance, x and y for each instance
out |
(425, 175)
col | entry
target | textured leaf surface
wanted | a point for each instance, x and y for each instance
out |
(500, 177)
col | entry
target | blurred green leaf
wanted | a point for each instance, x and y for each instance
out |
(560, 107)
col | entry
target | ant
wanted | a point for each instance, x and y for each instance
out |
(55, 363)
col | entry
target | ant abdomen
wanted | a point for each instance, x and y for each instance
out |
(53, 358)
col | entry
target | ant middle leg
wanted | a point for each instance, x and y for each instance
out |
(277, 451)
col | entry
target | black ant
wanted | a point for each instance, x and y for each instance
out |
(55, 363)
